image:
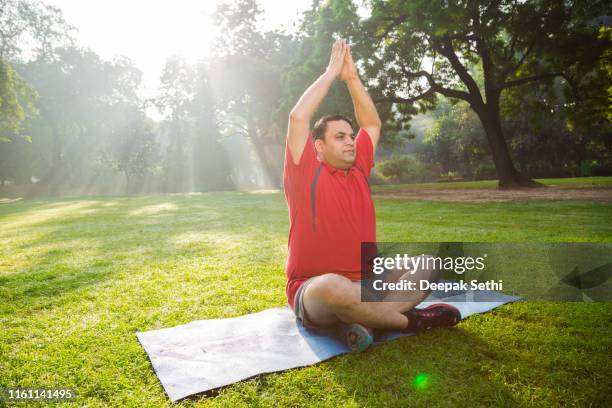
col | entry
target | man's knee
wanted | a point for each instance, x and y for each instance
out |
(334, 290)
(427, 264)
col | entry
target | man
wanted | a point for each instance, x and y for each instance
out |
(331, 213)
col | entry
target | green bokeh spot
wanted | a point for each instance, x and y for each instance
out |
(421, 381)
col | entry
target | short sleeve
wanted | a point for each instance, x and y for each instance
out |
(365, 152)
(296, 176)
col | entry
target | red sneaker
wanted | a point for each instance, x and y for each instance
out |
(436, 315)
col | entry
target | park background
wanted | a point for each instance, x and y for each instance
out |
(124, 212)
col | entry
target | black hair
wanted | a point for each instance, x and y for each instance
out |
(318, 131)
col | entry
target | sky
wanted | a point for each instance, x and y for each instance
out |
(150, 31)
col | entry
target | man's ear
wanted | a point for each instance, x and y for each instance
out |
(319, 146)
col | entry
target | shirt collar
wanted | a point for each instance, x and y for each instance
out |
(332, 169)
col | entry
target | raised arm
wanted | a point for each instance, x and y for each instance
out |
(302, 112)
(365, 111)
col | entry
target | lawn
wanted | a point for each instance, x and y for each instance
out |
(573, 182)
(78, 278)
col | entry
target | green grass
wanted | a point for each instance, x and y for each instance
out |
(78, 278)
(574, 182)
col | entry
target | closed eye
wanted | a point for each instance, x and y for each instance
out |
(340, 135)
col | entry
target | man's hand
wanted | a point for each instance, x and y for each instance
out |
(299, 118)
(365, 111)
(336, 61)
(349, 70)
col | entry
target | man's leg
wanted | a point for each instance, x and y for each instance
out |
(332, 298)
(425, 271)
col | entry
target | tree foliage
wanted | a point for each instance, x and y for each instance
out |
(16, 101)
(421, 49)
(40, 27)
(520, 89)
(246, 74)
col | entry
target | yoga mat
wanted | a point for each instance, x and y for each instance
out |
(206, 354)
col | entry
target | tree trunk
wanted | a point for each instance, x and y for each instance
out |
(177, 158)
(55, 172)
(127, 181)
(581, 153)
(180, 165)
(272, 177)
(23, 178)
(199, 161)
(508, 176)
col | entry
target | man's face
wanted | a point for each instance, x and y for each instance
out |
(338, 146)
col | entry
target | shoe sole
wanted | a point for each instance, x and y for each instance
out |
(358, 338)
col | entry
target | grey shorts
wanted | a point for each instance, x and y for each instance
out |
(298, 300)
(298, 305)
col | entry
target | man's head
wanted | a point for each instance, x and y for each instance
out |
(334, 141)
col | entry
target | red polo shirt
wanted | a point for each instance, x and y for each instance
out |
(344, 215)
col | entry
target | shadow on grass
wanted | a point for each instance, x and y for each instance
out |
(530, 365)
(460, 368)
(45, 283)
(64, 246)
(439, 368)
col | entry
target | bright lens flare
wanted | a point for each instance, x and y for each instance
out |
(421, 381)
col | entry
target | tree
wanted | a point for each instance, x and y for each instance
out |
(194, 160)
(31, 28)
(211, 164)
(455, 141)
(75, 89)
(40, 27)
(16, 101)
(417, 49)
(174, 99)
(129, 143)
(31, 23)
(322, 23)
(247, 76)
(397, 167)
(550, 137)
